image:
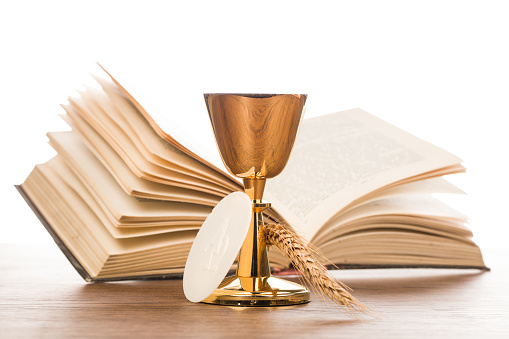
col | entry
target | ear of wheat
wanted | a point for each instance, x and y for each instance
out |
(307, 262)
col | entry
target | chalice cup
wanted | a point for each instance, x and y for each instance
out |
(255, 134)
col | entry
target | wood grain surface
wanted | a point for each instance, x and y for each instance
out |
(42, 296)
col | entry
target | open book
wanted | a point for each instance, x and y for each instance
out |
(124, 198)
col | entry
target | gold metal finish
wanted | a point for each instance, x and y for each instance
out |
(271, 291)
(255, 134)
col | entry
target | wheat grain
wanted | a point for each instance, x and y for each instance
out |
(307, 261)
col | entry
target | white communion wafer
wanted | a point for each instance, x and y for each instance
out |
(216, 246)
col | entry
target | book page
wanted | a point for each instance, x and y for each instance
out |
(406, 248)
(182, 119)
(137, 127)
(77, 225)
(125, 146)
(57, 172)
(404, 188)
(341, 157)
(412, 200)
(397, 212)
(132, 184)
(106, 188)
(87, 119)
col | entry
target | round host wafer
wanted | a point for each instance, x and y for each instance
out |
(217, 244)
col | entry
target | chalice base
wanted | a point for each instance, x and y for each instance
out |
(266, 291)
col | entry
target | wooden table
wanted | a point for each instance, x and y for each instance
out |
(42, 296)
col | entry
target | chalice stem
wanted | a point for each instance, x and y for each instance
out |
(253, 267)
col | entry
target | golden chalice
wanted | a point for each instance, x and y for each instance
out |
(255, 134)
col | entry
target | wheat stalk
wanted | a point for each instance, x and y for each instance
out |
(307, 261)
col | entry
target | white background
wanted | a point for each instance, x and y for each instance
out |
(438, 69)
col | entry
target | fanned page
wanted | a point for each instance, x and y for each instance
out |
(131, 150)
(194, 136)
(340, 158)
(123, 207)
